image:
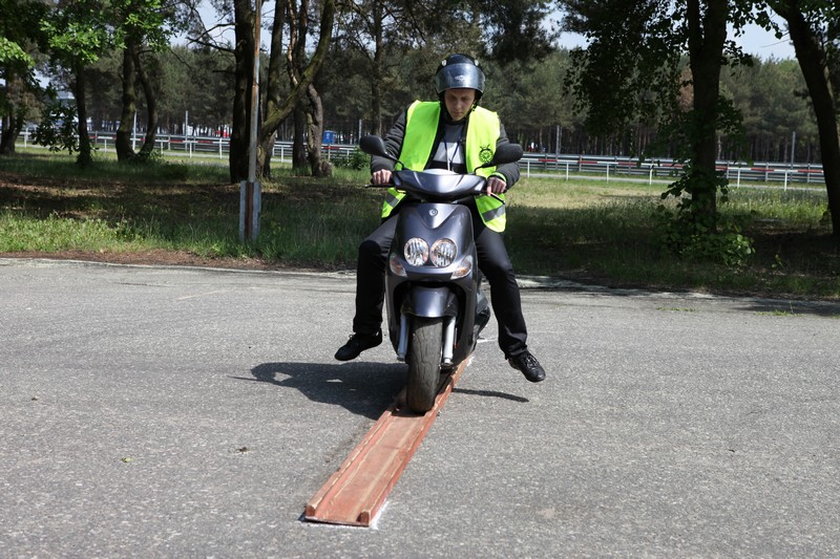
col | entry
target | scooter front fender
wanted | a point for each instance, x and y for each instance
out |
(430, 302)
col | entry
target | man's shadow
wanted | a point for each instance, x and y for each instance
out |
(362, 388)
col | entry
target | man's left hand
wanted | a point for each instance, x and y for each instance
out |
(495, 185)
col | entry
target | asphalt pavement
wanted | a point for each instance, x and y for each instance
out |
(183, 412)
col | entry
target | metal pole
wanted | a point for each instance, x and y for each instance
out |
(249, 200)
(793, 148)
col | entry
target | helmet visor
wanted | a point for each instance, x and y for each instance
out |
(460, 75)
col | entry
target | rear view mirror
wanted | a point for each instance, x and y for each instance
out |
(374, 145)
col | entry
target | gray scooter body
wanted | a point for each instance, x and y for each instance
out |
(429, 292)
(434, 209)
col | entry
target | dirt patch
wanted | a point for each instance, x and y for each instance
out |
(157, 257)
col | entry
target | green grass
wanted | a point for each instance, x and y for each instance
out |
(605, 231)
(594, 231)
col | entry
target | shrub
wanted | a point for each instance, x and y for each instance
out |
(356, 159)
(721, 242)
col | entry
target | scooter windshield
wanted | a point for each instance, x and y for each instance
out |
(438, 184)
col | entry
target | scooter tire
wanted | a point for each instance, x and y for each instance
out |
(424, 355)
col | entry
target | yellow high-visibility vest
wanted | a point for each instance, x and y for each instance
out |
(483, 130)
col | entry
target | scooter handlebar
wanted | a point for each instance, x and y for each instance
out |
(478, 193)
(410, 183)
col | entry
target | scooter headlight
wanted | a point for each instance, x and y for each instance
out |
(444, 252)
(464, 268)
(416, 251)
(396, 265)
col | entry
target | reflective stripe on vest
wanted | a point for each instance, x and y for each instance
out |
(483, 129)
(492, 214)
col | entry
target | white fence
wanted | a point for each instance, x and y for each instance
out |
(666, 170)
(196, 146)
(532, 164)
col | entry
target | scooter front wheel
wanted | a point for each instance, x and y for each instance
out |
(424, 355)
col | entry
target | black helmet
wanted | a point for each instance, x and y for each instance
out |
(459, 70)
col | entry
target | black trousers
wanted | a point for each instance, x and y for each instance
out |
(493, 261)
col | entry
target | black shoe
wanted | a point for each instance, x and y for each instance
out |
(357, 344)
(528, 365)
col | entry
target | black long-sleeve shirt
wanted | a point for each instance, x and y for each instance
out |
(394, 140)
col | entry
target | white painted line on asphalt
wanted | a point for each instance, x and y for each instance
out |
(202, 294)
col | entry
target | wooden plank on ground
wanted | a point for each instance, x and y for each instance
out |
(355, 493)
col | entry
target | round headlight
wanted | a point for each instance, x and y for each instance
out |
(416, 251)
(444, 252)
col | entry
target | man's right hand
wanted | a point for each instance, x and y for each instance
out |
(382, 176)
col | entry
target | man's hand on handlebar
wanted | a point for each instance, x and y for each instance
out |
(495, 185)
(382, 176)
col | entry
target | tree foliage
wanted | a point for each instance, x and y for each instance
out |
(143, 28)
(640, 65)
(19, 42)
(641, 94)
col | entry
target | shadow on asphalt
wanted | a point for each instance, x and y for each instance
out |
(817, 308)
(491, 394)
(362, 388)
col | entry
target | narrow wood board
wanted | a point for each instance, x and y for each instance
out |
(355, 493)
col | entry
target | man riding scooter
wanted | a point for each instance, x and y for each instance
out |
(453, 133)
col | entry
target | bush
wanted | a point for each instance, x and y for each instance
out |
(356, 160)
(688, 238)
(57, 129)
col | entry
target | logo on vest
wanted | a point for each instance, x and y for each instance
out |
(485, 155)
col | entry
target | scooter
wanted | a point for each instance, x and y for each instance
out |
(436, 308)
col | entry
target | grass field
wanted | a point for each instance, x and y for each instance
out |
(591, 231)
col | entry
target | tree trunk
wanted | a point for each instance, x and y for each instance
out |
(300, 163)
(243, 78)
(151, 108)
(129, 108)
(15, 118)
(812, 60)
(264, 154)
(11, 130)
(272, 87)
(85, 156)
(274, 118)
(299, 31)
(315, 116)
(376, 75)
(707, 33)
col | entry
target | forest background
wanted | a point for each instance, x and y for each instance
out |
(381, 57)
(652, 79)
